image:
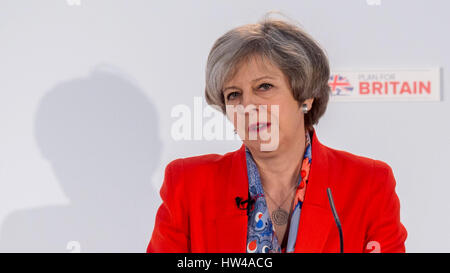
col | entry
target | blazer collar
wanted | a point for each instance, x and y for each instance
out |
(316, 219)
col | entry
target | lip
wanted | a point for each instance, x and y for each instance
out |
(255, 126)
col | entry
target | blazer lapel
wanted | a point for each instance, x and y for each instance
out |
(316, 218)
(231, 222)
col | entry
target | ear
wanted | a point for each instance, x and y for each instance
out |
(309, 102)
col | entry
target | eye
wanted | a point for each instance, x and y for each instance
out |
(266, 85)
(232, 95)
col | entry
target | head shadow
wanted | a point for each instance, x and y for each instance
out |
(100, 134)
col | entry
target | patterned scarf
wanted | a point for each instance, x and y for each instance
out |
(261, 236)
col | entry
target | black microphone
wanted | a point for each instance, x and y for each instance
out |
(245, 204)
(336, 219)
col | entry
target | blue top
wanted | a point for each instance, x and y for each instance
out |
(261, 236)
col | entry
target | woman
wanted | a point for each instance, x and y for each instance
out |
(271, 194)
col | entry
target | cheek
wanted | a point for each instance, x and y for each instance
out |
(290, 117)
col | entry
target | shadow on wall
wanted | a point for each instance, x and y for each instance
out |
(100, 134)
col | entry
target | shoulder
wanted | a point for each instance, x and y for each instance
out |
(201, 164)
(359, 170)
(361, 179)
(348, 160)
(186, 175)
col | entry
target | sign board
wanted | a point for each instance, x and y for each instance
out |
(385, 84)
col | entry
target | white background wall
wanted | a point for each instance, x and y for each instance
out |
(86, 94)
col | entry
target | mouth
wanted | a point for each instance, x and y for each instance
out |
(256, 127)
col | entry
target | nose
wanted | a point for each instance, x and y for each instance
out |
(250, 102)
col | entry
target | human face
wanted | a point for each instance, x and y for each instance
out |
(264, 91)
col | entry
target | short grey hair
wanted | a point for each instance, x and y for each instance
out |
(286, 45)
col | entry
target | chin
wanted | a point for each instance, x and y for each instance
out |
(263, 146)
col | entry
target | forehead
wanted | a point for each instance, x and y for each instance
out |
(252, 68)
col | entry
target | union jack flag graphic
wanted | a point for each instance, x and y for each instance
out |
(340, 86)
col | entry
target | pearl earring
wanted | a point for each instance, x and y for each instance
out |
(305, 108)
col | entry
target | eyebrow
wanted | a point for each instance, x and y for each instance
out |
(255, 80)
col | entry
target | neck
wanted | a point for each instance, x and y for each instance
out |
(279, 173)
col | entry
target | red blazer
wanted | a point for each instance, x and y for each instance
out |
(199, 213)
